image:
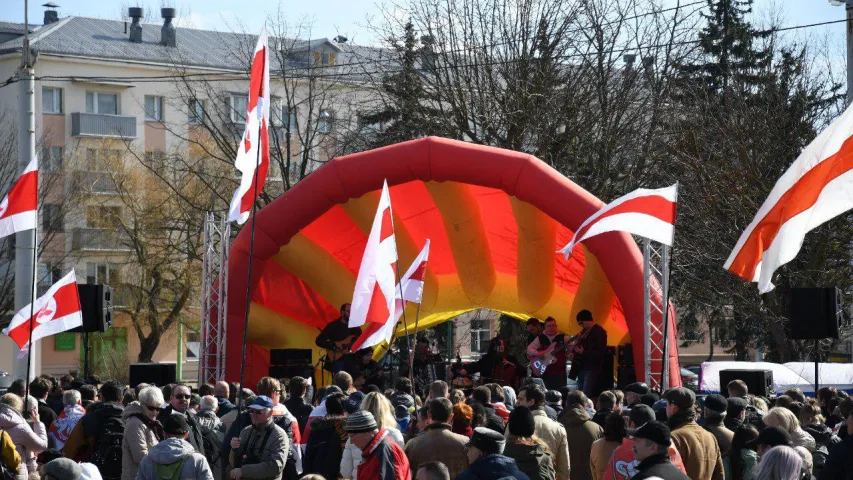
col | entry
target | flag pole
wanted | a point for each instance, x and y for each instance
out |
(397, 272)
(32, 307)
(417, 319)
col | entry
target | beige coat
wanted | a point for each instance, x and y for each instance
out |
(137, 441)
(581, 432)
(554, 436)
(699, 451)
(600, 454)
(438, 443)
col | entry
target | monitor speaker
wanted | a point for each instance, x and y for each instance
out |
(759, 382)
(159, 374)
(815, 313)
(96, 303)
(290, 371)
(291, 356)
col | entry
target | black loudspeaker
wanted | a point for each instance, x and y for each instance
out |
(814, 313)
(96, 302)
(290, 371)
(625, 372)
(291, 356)
(759, 382)
(159, 374)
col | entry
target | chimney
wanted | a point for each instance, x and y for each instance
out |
(135, 13)
(649, 68)
(629, 61)
(50, 15)
(168, 32)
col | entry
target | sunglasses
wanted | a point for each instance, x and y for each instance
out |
(153, 409)
(183, 397)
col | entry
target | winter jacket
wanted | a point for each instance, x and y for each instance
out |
(623, 463)
(600, 453)
(749, 459)
(299, 409)
(81, 442)
(195, 436)
(493, 420)
(438, 443)
(383, 459)
(699, 451)
(224, 407)
(554, 436)
(803, 439)
(29, 441)
(534, 460)
(285, 421)
(490, 467)
(64, 425)
(581, 432)
(350, 461)
(660, 468)
(137, 441)
(46, 414)
(207, 421)
(325, 447)
(822, 435)
(8, 453)
(723, 435)
(839, 465)
(269, 444)
(173, 450)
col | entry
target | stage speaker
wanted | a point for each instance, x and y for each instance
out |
(291, 356)
(96, 302)
(159, 374)
(290, 371)
(625, 355)
(759, 382)
(815, 313)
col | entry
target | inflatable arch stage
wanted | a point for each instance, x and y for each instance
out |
(494, 218)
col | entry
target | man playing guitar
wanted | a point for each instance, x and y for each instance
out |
(337, 337)
(588, 355)
(554, 375)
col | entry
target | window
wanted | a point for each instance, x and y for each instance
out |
(325, 59)
(324, 124)
(102, 160)
(102, 103)
(288, 118)
(98, 216)
(50, 273)
(51, 159)
(196, 114)
(480, 335)
(193, 345)
(239, 108)
(52, 218)
(153, 108)
(51, 100)
(106, 273)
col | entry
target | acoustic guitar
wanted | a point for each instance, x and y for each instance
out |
(341, 349)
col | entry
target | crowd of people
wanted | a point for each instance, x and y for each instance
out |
(69, 429)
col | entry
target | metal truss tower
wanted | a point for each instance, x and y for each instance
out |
(656, 314)
(214, 299)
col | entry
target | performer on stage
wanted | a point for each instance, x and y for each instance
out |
(534, 329)
(588, 354)
(336, 338)
(497, 366)
(424, 366)
(555, 374)
(365, 370)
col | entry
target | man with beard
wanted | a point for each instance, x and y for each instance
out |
(336, 338)
(499, 367)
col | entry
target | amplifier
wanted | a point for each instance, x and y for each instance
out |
(291, 356)
(290, 371)
(759, 382)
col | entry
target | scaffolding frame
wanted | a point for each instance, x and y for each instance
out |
(656, 314)
(214, 298)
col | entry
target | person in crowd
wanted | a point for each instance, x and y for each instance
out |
(534, 329)
(438, 442)
(380, 408)
(88, 392)
(439, 389)
(589, 354)
(221, 392)
(623, 463)
(61, 469)
(212, 432)
(142, 430)
(295, 403)
(262, 448)
(651, 446)
(67, 420)
(606, 406)
(403, 395)
(230, 417)
(174, 454)
(741, 462)
(768, 438)
(343, 380)
(205, 389)
(714, 413)
(808, 463)
(845, 408)
(554, 374)
(39, 389)
(634, 392)
(54, 398)
(812, 421)
(785, 419)
(432, 471)
(352, 454)
(28, 440)
(207, 415)
(179, 402)
(18, 387)
(486, 459)
(796, 395)
(498, 365)
(735, 413)
(509, 397)
(737, 388)
(458, 396)
(327, 439)
(581, 432)
(498, 401)
(602, 449)
(828, 400)
(381, 458)
(100, 427)
(780, 463)
(529, 452)
(551, 432)
(554, 399)
(839, 464)
(698, 448)
(462, 418)
(482, 396)
(9, 456)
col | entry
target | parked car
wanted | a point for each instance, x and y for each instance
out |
(689, 379)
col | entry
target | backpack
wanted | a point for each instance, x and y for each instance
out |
(170, 471)
(107, 454)
(212, 440)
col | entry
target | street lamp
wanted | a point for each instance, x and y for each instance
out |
(849, 25)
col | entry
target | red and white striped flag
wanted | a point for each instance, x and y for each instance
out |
(816, 188)
(19, 209)
(257, 122)
(56, 311)
(643, 212)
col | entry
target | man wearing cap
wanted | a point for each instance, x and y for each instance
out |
(262, 449)
(768, 438)
(623, 462)
(634, 392)
(382, 458)
(698, 447)
(651, 442)
(438, 442)
(173, 455)
(714, 413)
(735, 413)
(486, 459)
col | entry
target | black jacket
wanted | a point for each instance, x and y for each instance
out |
(493, 421)
(299, 409)
(594, 348)
(97, 414)
(335, 331)
(491, 467)
(46, 414)
(839, 465)
(196, 438)
(325, 447)
(658, 466)
(225, 406)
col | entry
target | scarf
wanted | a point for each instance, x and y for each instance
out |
(153, 425)
(61, 428)
(681, 418)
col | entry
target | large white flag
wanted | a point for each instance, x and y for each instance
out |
(56, 311)
(19, 208)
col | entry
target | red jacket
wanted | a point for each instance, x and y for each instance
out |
(623, 463)
(383, 459)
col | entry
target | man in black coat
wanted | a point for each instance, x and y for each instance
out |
(588, 354)
(179, 402)
(295, 403)
(839, 465)
(651, 445)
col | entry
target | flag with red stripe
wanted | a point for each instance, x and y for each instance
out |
(19, 209)
(815, 189)
(255, 136)
(644, 212)
(56, 311)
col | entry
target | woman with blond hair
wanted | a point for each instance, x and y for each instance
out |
(786, 420)
(28, 440)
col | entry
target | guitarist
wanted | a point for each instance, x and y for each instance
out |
(588, 354)
(333, 334)
(555, 374)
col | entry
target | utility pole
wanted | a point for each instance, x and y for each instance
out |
(25, 241)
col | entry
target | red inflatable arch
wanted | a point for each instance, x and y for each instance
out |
(494, 217)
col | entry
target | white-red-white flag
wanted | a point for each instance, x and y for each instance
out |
(255, 136)
(19, 209)
(412, 288)
(644, 212)
(56, 311)
(816, 188)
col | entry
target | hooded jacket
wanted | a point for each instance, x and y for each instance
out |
(224, 406)
(490, 467)
(195, 437)
(28, 441)
(138, 439)
(822, 435)
(534, 460)
(581, 432)
(172, 450)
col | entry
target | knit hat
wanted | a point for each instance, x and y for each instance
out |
(176, 424)
(681, 397)
(61, 469)
(716, 403)
(655, 431)
(487, 441)
(353, 402)
(521, 422)
(736, 405)
(361, 421)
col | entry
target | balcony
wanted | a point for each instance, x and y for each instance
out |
(98, 125)
(99, 240)
(94, 183)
